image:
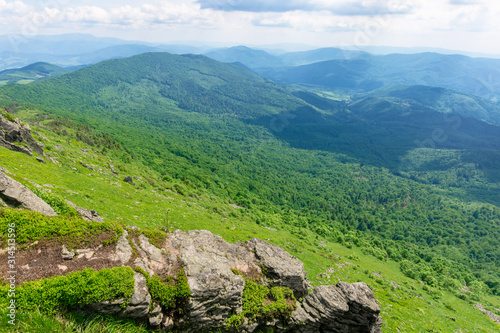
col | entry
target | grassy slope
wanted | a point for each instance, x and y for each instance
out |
(116, 200)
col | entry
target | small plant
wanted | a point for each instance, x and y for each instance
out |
(8, 116)
(262, 303)
(170, 293)
(60, 206)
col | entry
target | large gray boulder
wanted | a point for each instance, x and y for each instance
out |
(349, 308)
(17, 137)
(15, 194)
(216, 292)
(282, 269)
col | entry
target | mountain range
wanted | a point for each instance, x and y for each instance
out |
(393, 159)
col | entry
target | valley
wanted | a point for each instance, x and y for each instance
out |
(392, 183)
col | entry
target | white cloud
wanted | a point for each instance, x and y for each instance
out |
(14, 8)
(337, 7)
(316, 21)
(250, 21)
(86, 14)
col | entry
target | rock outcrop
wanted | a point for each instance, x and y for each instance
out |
(86, 214)
(217, 273)
(282, 269)
(491, 315)
(15, 194)
(17, 137)
(341, 308)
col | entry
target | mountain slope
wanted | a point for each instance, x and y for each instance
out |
(245, 55)
(194, 83)
(145, 205)
(477, 76)
(203, 124)
(323, 54)
(442, 100)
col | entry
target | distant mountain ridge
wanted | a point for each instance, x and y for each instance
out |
(476, 76)
(34, 72)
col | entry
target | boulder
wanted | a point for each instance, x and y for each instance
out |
(86, 214)
(129, 180)
(89, 215)
(216, 292)
(123, 248)
(281, 268)
(15, 194)
(67, 254)
(12, 133)
(341, 308)
(138, 305)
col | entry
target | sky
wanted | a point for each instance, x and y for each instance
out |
(467, 25)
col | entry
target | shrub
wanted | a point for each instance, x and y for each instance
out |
(73, 231)
(73, 290)
(60, 206)
(261, 302)
(170, 293)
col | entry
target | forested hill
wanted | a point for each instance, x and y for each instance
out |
(191, 82)
(366, 72)
(202, 125)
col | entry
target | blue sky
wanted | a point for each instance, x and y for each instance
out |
(454, 24)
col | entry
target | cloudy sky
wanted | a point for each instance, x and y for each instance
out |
(469, 25)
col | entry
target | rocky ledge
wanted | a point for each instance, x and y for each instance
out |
(17, 136)
(217, 273)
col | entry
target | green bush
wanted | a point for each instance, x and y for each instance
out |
(73, 290)
(261, 302)
(8, 116)
(60, 206)
(73, 231)
(170, 293)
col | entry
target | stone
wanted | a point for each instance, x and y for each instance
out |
(86, 166)
(129, 180)
(156, 320)
(15, 194)
(216, 292)
(341, 308)
(123, 249)
(12, 133)
(112, 168)
(138, 305)
(87, 253)
(282, 269)
(167, 324)
(89, 215)
(156, 310)
(67, 254)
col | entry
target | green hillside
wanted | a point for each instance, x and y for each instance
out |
(34, 72)
(232, 152)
